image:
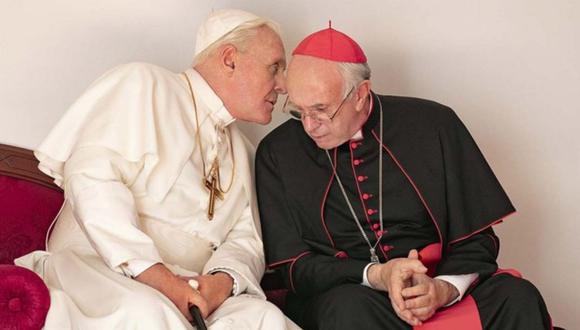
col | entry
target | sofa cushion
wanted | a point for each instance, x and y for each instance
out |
(24, 299)
(26, 211)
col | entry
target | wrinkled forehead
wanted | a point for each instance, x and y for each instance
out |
(265, 40)
(311, 79)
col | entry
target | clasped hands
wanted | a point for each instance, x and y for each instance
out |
(212, 291)
(414, 295)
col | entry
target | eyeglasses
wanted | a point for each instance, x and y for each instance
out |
(318, 116)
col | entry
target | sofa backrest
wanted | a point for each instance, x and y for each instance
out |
(29, 201)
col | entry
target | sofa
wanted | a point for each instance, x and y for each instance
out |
(29, 201)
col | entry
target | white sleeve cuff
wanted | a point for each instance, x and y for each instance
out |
(238, 286)
(365, 280)
(133, 268)
(460, 282)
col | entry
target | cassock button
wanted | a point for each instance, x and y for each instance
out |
(376, 226)
(379, 233)
(371, 211)
(366, 196)
(354, 145)
(361, 178)
(357, 162)
(387, 248)
(341, 255)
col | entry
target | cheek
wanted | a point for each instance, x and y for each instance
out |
(254, 88)
(264, 82)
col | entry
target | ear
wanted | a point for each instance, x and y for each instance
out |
(228, 57)
(362, 94)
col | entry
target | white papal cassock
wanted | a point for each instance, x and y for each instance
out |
(125, 153)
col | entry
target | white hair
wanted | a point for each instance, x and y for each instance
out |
(353, 74)
(238, 37)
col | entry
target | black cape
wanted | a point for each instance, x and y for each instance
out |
(433, 149)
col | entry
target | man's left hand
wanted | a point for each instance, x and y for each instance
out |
(427, 294)
(215, 288)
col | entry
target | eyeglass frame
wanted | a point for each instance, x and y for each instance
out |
(317, 117)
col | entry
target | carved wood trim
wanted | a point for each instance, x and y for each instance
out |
(20, 163)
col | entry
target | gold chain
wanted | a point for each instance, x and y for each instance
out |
(215, 166)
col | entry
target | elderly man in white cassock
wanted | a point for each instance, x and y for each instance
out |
(160, 210)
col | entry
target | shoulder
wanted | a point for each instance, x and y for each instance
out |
(138, 73)
(282, 137)
(414, 111)
(134, 68)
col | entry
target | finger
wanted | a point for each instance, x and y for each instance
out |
(420, 278)
(414, 265)
(413, 291)
(413, 254)
(201, 303)
(419, 302)
(395, 293)
(407, 316)
(422, 314)
(185, 278)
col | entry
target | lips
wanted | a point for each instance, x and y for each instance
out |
(271, 107)
(271, 98)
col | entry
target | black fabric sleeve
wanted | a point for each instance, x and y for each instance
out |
(306, 269)
(475, 254)
(313, 274)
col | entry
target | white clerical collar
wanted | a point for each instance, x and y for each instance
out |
(209, 98)
(359, 135)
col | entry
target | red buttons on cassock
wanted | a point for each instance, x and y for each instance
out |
(361, 178)
(357, 162)
(354, 145)
(375, 226)
(379, 233)
(371, 211)
(366, 196)
(341, 255)
(387, 248)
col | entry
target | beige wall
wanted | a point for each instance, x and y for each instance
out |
(509, 69)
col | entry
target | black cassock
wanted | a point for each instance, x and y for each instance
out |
(438, 192)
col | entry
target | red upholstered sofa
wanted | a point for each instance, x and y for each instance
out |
(29, 201)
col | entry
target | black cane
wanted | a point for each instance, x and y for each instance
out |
(197, 322)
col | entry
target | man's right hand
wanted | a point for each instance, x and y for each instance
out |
(395, 275)
(174, 288)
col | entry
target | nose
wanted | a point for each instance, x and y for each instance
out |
(280, 83)
(310, 125)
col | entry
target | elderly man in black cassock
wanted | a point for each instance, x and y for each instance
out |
(378, 210)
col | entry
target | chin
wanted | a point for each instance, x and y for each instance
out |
(264, 120)
(323, 145)
(267, 120)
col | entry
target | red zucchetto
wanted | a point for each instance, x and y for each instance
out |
(332, 45)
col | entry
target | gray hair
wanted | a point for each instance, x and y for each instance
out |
(353, 74)
(238, 37)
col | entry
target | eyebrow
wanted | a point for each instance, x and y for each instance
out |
(315, 107)
(281, 62)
